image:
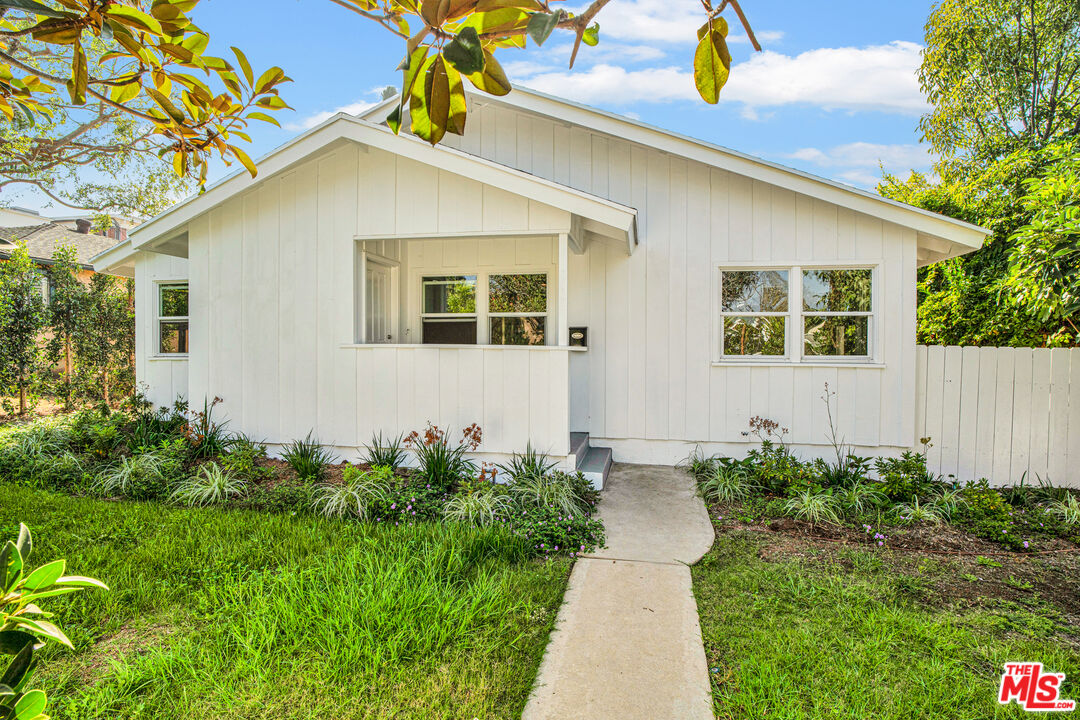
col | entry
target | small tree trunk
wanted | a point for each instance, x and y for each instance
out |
(105, 384)
(22, 399)
(67, 372)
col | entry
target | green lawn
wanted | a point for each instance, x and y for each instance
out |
(794, 630)
(216, 613)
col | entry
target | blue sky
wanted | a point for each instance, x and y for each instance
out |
(834, 93)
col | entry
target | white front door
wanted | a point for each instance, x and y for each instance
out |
(377, 303)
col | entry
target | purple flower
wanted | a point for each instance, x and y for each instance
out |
(1025, 544)
(880, 543)
(394, 506)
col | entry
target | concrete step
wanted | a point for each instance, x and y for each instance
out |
(596, 465)
(579, 445)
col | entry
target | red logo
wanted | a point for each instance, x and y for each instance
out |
(1032, 689)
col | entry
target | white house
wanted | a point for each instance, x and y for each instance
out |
(558, 270)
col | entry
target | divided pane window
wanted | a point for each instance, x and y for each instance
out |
(173, 319)
(517, 309)
(836, 308)
(754, 308)
(449, 310)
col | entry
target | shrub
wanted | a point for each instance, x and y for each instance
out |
(63, 472)
(916, 512)
(242, 458)
(844, 473)
(484, 506)
(531, 463)
(948, 500)
(779, 472)
(138, 477)
(23, 632)
(308, 458)
(154, 428)
(359, 492)
(209, 486)
(549, 531)
(862, 496)
(725, 484)
(1067, 510)
(815, 507)
(411, 502)
(905, 479)
(383, 452)
(985, 513)
(281, 498)
(441, 464)
(204, 435)
(558, 490)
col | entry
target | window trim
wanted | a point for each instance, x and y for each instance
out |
(795, 348)
(160, 285)
(483, 299)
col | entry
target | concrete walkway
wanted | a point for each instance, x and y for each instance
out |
(627, 644)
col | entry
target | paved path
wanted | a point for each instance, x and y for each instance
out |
(627, 644)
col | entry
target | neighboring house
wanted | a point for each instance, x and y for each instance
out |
(42, 240)
(580, 272)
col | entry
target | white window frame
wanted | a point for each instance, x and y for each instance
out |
(475, 315)
(547, 305)
(795, 350)
(483, 325)
(724, 314)
(159, 286)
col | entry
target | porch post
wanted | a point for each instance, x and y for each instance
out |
(563, 337)
(361, 282)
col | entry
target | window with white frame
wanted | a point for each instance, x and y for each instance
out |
(754, 313)
(496, 308)
(837, 310)
(762, 315)
(173, 319)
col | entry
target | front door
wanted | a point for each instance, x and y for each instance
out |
(377, 302)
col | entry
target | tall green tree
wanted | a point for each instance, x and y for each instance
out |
(65, 302)
(1003, 77)
(22, 319)
(102, 336)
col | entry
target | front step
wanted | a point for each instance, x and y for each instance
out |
(592, 462)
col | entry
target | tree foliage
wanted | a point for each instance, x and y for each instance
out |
(449, 41)
(104, 338)
(65, 302)
(114, 86)
(22, 318)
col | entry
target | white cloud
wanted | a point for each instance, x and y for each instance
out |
(764, 37)
(669, 21)
(879, 77)
(312, 120)
(863, 154)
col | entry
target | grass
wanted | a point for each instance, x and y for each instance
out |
(225, 613)
(853, 633)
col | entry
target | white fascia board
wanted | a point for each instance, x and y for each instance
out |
(742, 164)
(351, 128)
(114, 257)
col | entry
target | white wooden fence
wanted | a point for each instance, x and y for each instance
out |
(998, 413)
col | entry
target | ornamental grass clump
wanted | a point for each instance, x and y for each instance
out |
(441, 464)
(1067, 510)
(861, 497)
(559, 490)
(308, 458)
(210, 486)
(725, 484)
(482, 507)
(357, 495)
(918, 512)
(530, 463)
(138, 477)
(386, 452)
(698, 464)
(813, 506)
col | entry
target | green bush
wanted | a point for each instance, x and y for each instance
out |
(986, 514)
(559, 490)
(386, 452)
(905, 479)
(779, 472)
(442, 465)
(211, 485)
(243, 458)
(308, 458)
(483, 506)
(145, 476)
(549, 530)
(281, 498)
(358, 493)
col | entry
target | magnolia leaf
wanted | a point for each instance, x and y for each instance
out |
(465, 53)
(455, 121)
(56, 31)
(171, 110)
(429, 104)
(13, 641)
(19, 666)
(31, 6)
(494, 22)
(591, 35)
(491, 79)
(43, 628)
(710, 73)
(244, 160)
(393, 120)
(244, 65)
(179, 163)
(269, 79)
(133, 17)
(717, 24)
(489, 5)
(45, 576)
(25, 543)
(179, 52)
(80, 581)
(459, 8)
(31, 705)
(434, 12)
(542, 24)
(11, 559)
(256, 115)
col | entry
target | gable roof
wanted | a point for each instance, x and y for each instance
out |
(169, 228)
(940, 236)
(43, 240)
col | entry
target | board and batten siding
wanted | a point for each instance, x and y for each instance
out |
(650, 385)
(272, 276)
(1000, 413)
(163, 378)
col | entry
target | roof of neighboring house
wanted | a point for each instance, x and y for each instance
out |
(43, 240)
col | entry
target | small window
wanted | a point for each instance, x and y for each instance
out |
(837, 312)
(754, 308)
(517, 309)
(173, 319)
(449, 310)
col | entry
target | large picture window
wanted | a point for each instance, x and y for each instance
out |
(173, 319)
(517, 309)
(754, 307)
(796, 313)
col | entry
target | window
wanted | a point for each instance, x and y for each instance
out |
(836, 312)
(796, 313)
(517, 309)
(754, 308)
(449, 310)
(173, 319)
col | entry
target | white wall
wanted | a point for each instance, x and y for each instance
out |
(648, 385)
(998, 413)
(162, 377)
(273, 304)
